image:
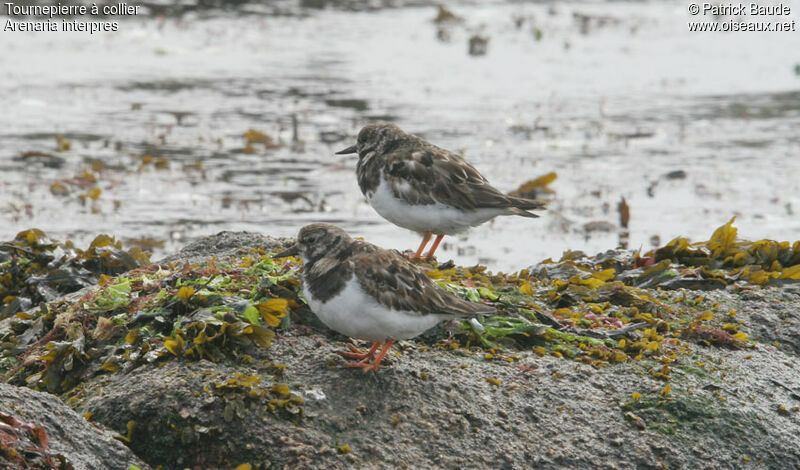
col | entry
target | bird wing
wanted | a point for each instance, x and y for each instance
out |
(424, 174)
(396, 283)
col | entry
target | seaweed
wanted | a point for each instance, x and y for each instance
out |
(34, 268)
(149, 314)
(615, 307)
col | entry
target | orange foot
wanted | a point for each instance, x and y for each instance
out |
(421, 248)
(365, 364)
(355, 353)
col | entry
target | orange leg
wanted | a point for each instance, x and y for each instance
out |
(364, 364)
(386, 346)
(356, 353)
(434, 246)
(425, 239)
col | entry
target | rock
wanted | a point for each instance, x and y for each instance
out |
(434, 407)
(81, 444)
(224, 245)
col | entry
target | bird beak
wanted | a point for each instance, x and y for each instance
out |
(348, 150)
(291, 251)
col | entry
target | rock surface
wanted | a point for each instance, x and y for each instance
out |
(435, 406)
(224, 246)
(83, 445)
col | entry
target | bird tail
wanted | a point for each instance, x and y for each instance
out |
(466, 309)
(521, 206)
(482, 309)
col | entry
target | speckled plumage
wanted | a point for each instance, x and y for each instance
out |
(389, 297)
(422, 176)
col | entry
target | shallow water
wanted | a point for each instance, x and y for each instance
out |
(611, 105)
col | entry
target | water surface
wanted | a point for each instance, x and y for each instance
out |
(612, 96)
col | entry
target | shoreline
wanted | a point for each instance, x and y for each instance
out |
(584, 370)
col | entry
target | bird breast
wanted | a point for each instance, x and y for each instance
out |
(354, 313)
(436, 217)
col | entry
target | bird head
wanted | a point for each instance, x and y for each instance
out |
(376, 137)
(316, 241)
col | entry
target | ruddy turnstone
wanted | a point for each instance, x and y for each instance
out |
(419, 186)
(366, 292)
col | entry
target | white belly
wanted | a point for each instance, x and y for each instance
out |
(355, 314)
(437, 218)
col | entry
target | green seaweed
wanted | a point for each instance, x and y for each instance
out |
(588, 309)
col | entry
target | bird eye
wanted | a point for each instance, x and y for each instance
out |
(311, 239)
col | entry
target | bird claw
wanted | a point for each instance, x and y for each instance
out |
(369, 361)
(355, 353)
(417, 257)
(362, 365)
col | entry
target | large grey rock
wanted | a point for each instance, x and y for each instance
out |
(85, 446)
(432, 408)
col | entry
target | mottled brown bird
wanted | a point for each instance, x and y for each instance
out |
(419, 186)
(366, 292)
